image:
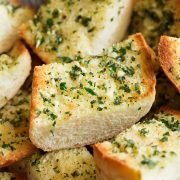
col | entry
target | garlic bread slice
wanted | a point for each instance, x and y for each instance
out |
(14, 69)
(92, 98)
(148, 150)
(12, 16)
(67, 28)
(75, 164)
(14, 139)
(169, 56)
(12, 176)
(154, 18)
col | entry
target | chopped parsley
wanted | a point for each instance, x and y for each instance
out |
(66, 59)
(75, 72)
(148, 162)
(63, 86)
(117, 100)
(90, 91)
(85, 21)
(143, 131)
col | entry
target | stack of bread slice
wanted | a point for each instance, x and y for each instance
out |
(92, 91)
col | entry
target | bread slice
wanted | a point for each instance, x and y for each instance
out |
(76, 164)
(169, 56)
(64, 28)
(154, 18)
(14, 69)
(12, 176)
(92, 98)
(14, 140)
(148, 150)
(12, 16)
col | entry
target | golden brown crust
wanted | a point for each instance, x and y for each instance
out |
(167, 55)
(174, 112)
(150, 78)
(21, 176)
(45, 57)
(19, 49)
(112, 167)
(38, 72)
(27, 150)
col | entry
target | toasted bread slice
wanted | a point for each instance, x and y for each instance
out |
(14, 69)
(169, 56)
(14, 140)
(12, 176)
(92, 98)
(76, 164)
(149, 150)
(155, 18)
(12, 16)
(64, 29)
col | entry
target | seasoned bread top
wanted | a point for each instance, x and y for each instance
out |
(107, 85)
(169, 56)
(122, 75)
(148, 150)
(14, 140)
(12, 16)
(14, 69)
(67, 28)
(154, 18)
(76, 164)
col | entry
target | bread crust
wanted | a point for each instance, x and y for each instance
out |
(109, 166)
(27, 150)
(174, 112)
(168, 57)
(112, 167)
(46, 57)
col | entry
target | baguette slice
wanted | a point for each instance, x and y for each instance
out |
(65, 28)
(149, 150)
(92, 98)
(14, 69)
(169, 56)
(70, 164)
(14, 140)
(12, 16)
(12, 176)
